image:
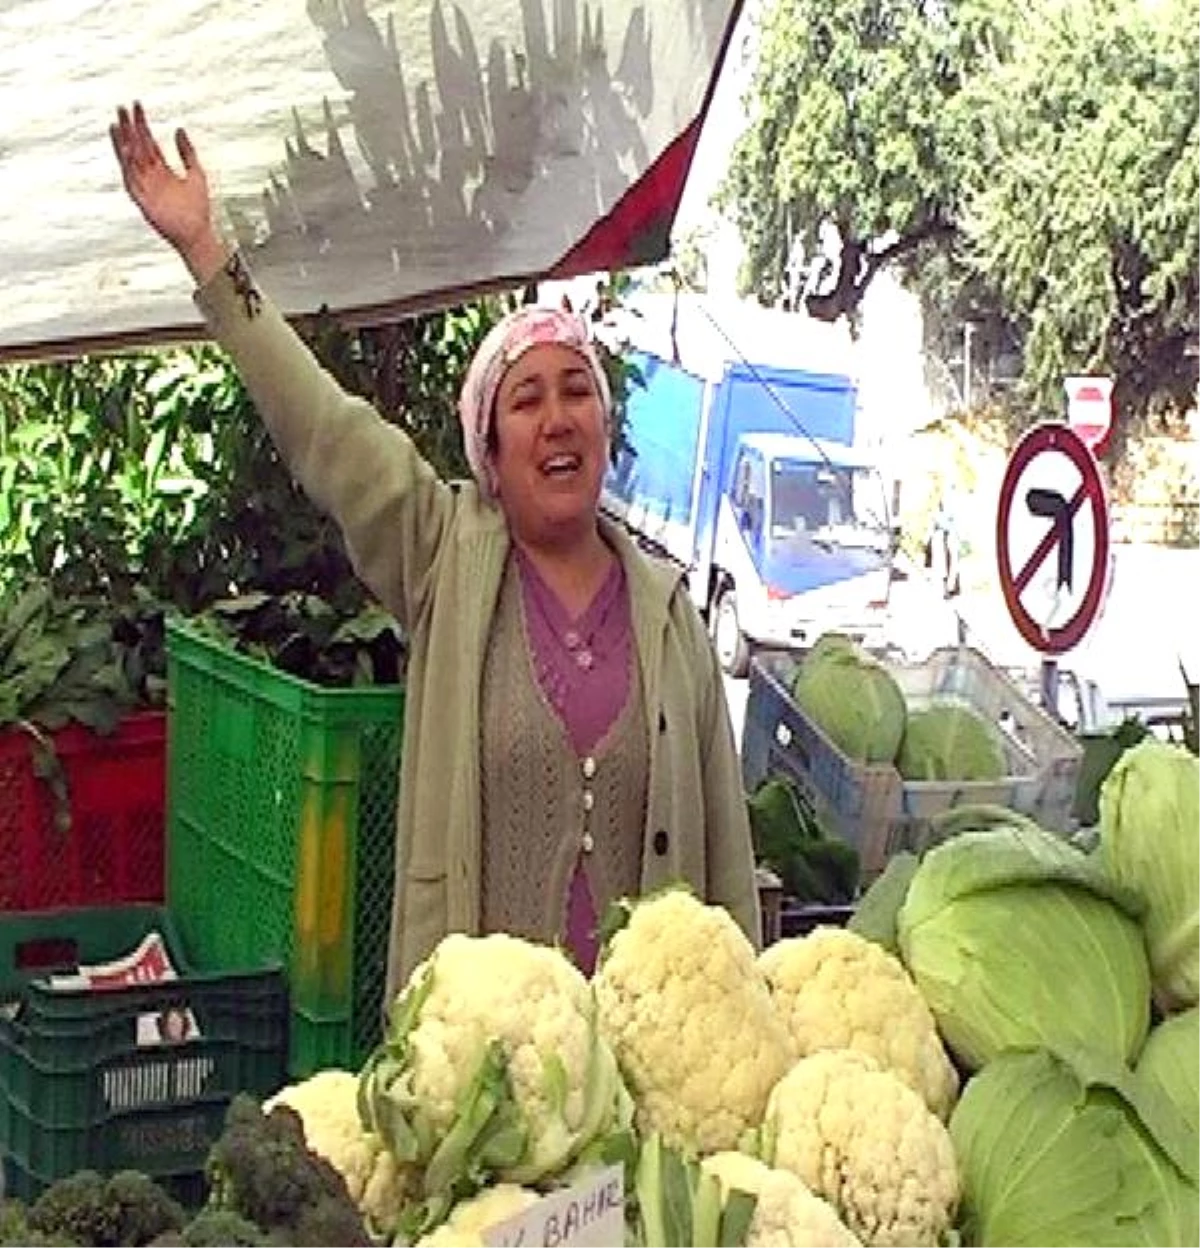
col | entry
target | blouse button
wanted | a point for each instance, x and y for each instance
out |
(589, 767)
(589, 799)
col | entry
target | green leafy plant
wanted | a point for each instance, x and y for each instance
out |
(100, 472)
(305, 635)
(80, 660)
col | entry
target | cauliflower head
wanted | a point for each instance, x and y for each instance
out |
(691, 1021)
(327, 1103)
(837, 990)
(865, 1141)
(787, 1214)
(470, 1218)
(492, 1061)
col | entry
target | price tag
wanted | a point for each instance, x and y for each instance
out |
(588, 1214)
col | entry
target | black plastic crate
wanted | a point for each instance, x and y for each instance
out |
(135, 1077)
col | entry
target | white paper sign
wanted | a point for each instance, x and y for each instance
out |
(588, 1214)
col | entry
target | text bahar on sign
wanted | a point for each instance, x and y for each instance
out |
(588, 1214)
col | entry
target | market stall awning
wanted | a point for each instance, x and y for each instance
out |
(372, 157)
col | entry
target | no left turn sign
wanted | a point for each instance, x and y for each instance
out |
(1052, 538)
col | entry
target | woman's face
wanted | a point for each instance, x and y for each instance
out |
(550, 445)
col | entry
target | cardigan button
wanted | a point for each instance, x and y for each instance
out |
(661, 841)
(662, 721)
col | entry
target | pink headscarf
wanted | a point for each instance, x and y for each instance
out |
(504, 344)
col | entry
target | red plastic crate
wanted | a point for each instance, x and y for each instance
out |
(113, 850)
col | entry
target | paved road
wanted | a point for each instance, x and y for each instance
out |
(1149, 625)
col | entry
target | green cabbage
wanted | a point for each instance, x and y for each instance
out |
(853, 699)
(1018, 940)
(878, 909)
(1169, 1062)
(949, 741)
(1070, 1150)
(1150, 843)
(830, 643)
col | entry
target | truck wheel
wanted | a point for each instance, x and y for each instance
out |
(733, 650)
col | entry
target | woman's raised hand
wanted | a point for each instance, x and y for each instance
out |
(177, 206)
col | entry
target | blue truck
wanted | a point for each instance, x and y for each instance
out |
(746, 473)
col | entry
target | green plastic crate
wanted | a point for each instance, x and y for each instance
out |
(260, 764)
(87, 1079)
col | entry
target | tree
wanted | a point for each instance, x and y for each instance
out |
(1033, 167)
(689, 258)
(959, 306)
(858, 129)
(1087, 218)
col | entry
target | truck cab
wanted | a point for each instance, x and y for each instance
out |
(803, 545)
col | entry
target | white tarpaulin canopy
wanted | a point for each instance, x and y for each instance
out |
(371, 157)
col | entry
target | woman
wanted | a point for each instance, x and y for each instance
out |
(566, 736)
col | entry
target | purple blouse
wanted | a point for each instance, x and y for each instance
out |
(584, 667)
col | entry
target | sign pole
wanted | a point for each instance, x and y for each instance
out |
(1050, 686)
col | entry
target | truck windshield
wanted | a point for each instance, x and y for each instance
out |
(828, 503)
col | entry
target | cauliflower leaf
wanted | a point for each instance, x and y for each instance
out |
(492, 1069)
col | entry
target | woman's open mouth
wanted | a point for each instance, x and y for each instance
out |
(560, 466)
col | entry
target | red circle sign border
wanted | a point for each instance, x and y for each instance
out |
(1055, 437)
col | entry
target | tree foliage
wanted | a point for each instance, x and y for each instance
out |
(1087, 222)
(1035, 165)
(857, 120)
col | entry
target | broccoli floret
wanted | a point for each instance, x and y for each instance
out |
(221, 1228)
(143, 1210)
(15, 1229)
(13, 1224)
(124, 1210)
(259, 1168)
(329, 1221)
(244, 1111)
(214, 1228)
(76, 1208)
(36, 1239)
(262, 1168)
